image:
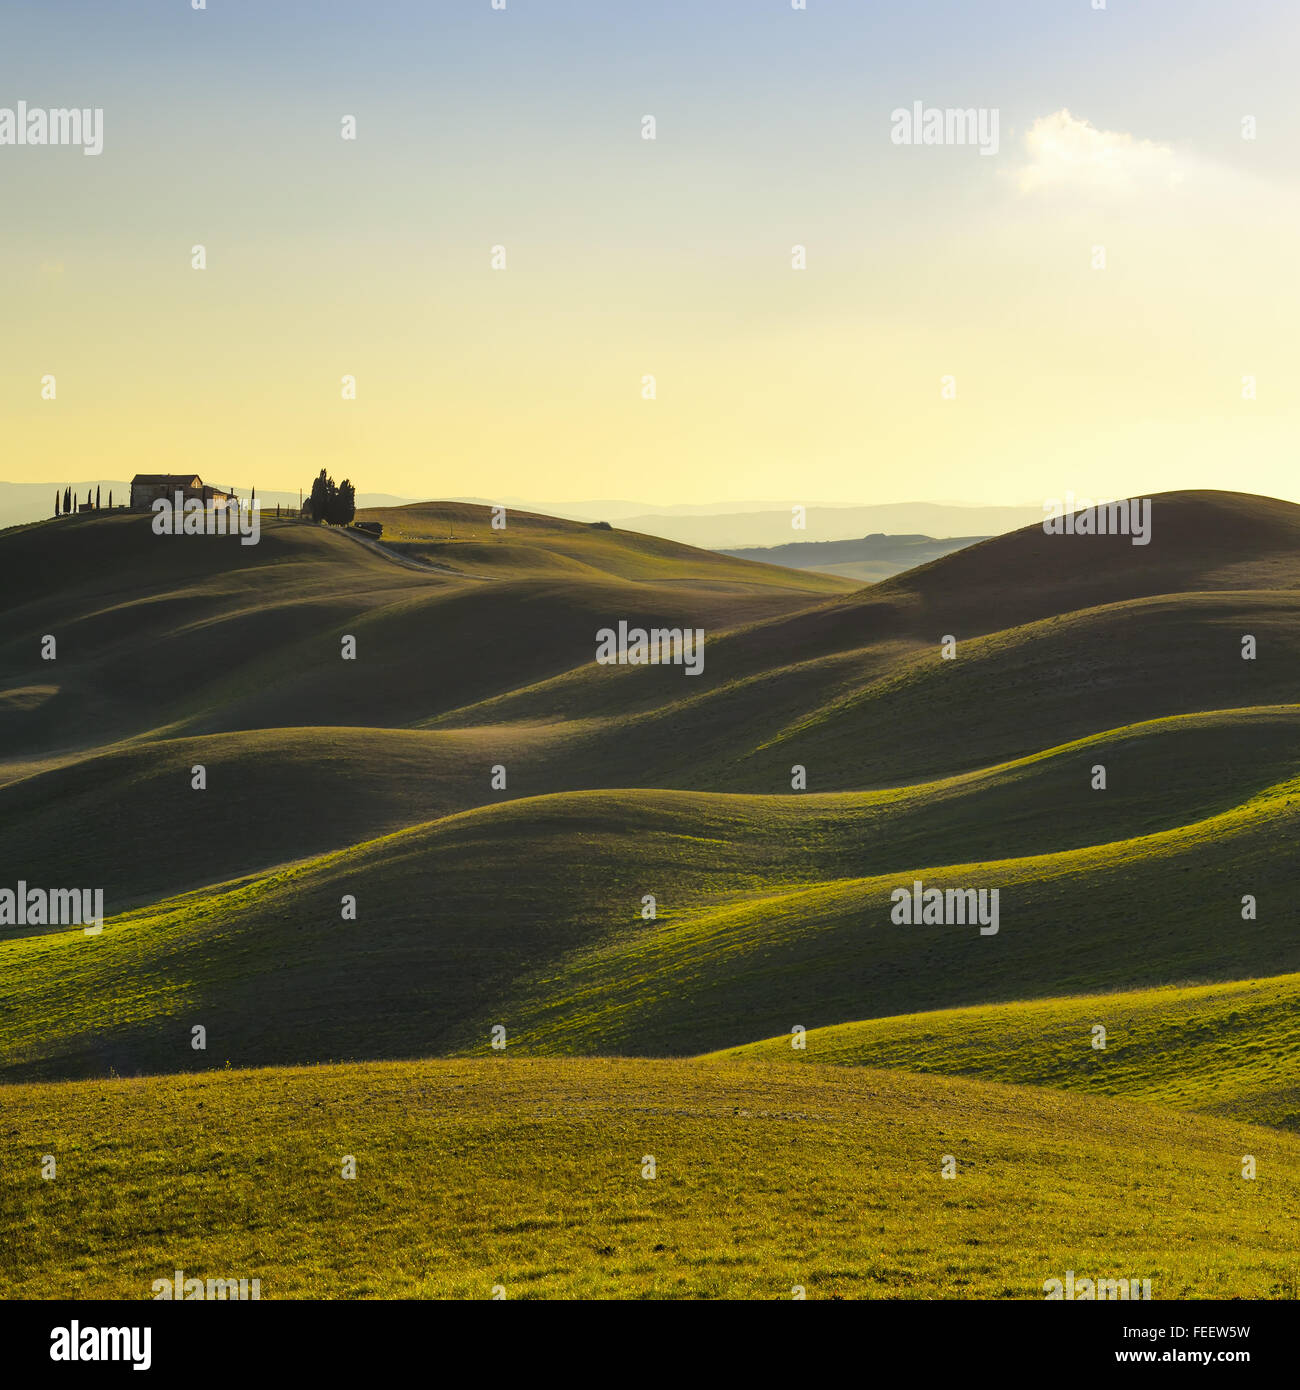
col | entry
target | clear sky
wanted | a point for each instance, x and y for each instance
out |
(625, 257)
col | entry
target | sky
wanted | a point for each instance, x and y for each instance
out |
(929, 266)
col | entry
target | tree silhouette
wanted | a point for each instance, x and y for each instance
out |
(321, 488)
(345, 507)
(96, 496)
(67, 500)
(336, 505)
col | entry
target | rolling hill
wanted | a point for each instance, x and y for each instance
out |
(524, 1180)
(355, 888)
(770, 911)
(1221, 1049)
(165, 635)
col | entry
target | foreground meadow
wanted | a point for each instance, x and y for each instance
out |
(527, 1175)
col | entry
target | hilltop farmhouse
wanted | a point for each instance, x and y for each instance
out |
(146, 488)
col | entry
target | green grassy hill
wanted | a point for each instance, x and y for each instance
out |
(1223, 1049)
(460, 536)
(280, 795)
(770, 911)
(273, 796)
(523, 907)
(527, 1175)
(1056, 637)
(163, 635)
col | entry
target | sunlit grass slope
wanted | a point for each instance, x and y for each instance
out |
(527, 1175)
(769, 912)
(771, 907)
(368, 783)
(1135, 913)
(132, 822)
(278, 795)
(898, 711)
(461, 535)
(1055, 637)
(1226, 1049)
(202, 634)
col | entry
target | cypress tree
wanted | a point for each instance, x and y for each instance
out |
(320, 491)
(346, 505)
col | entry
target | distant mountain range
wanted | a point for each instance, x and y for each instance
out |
(870, 558)
(738, 528)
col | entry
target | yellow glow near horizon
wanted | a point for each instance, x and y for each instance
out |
(771, 382)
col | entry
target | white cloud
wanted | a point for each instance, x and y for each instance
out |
(1067, 153)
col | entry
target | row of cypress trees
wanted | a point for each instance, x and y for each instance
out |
(69, 502)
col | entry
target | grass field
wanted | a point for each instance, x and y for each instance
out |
(166, 635)
(528, 1175)
(750, 937)
(827, 755)
(1226, 1049)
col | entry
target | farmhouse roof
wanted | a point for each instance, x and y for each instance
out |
(188, 479)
